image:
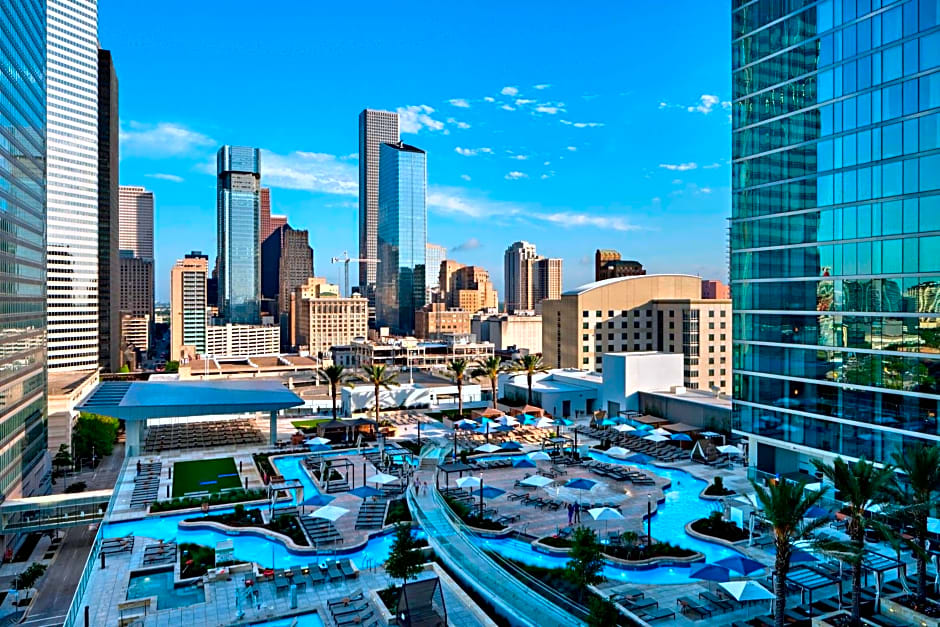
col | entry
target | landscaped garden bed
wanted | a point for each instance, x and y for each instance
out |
(716, 527)
(238, 495)
(284, 524)
(470, 516)
(205, 475)
(397, 512)
(718, 488)
(629, 551)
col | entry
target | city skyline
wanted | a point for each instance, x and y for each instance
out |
(600, 194)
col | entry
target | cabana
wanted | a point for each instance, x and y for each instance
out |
(531, 410)
(421, 604)
(448, 469)
(651, 421)
(810, 580)
(489, 412)
(347, 430)
(681, 427)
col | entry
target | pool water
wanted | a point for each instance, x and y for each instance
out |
(304, 620)
(160, 585)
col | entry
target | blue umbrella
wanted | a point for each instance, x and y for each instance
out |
(365, 492)
(527, 419)
(639, 458)
(488, 492)
(467, 425)
(503, 428)
(524, 462)
(509, 445)
(711, 572)
(580, 484)
(319, 448)
(817, 512)
(565, 421)
(607, 422)
(797, 556)
(740, 564)
(681, 436)
(317, 500)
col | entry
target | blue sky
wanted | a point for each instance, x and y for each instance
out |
(573, 128)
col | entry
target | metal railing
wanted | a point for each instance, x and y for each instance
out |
(75, 607)
(450, 541)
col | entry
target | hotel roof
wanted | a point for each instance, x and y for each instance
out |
(587, 287)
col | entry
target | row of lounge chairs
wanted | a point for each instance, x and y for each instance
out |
(371, 514)
(113, 546)
(646, 609)
(536, 501)
(620, 473)
(201, 435)
(352, 610)
(157, 554)
(663, 451)
(315, 574)
(146, 485)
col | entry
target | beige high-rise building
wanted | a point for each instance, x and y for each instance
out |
(322, 318)
(136, 221)
(188, 302)
(435, 319)
(529, 277)
(466, 287)
(136, 296)
(522, 330)
(659, 312)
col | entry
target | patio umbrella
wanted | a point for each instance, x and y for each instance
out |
(656, 438)
(607, 422)
(524, 462)
(797, 556)
(527, 419)
(509, 445)
(740, 564)
(508, 420)
(710, 572)
(537, 481)
(487, 448)
(489, 492)
(503, 428)
(606, 514)
(545, 423)
(683, 437)
(730, 449)
(580, 484)
(816, 512)
(365, 492)
(320, 448)
(318, 440)
(466, 425)
(639, 458)
(329, 512)
(617, 451)
(382, 479)
(746, 590)
(469, 482)
(624, 428)
(540, 456)
(566, 422)
(317, 500)
(661, 431)
(710, 434)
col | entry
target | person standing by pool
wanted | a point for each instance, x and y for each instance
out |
(570, 513)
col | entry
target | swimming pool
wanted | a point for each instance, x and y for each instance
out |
(160, 584)
(303, 620)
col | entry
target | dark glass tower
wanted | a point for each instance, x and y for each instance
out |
(403, 236)
(22, 244)
(239, 214)
(109, 272)
(835, 230)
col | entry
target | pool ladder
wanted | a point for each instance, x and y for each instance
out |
(368, 564)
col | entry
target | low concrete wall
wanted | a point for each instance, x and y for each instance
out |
(895, 610)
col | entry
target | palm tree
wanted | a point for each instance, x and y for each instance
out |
(491, 367)
(379, 376)
(335, 374)
(458, 372)
(859, 485)
(916, 496)
(785, 505)
(530, 364)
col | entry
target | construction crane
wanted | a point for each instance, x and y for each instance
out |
(345, 260)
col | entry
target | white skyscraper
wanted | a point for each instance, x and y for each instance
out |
(516, 275)
(136, 223)
(375, 128)
(72, 183)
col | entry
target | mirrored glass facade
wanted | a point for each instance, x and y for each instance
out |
(239, 222)
(835, 230)
(402, 236)
(22, 241)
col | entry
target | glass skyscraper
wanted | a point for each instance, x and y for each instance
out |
(835, 229)
(22, 244)
(239, 214)
(402, 236)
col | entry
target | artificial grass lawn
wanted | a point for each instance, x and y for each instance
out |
(308, 424)
(205, 475)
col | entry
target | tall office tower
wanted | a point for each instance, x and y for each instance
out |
(518, 284)
(188, 306)
(109, 268)
(238, 214)
(403, 229)
(72, 183)
(277, 221)
(434, 256)
(136, 293)
(466, 287)
(375, 128)
(286, 263)
(22, 154)
(546, 280)
(264, 220)
(608, 265)
(835, 221)
(137, 221)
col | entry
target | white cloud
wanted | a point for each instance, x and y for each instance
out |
(471, 152)
(520, 157)
(507, 107)
(457, 123)
(706, 190)
(679, 167)
(516, 175)
(567, 218)
(465, 177)
(471, 244)
(310, 171)
(581, 124)
(459, 102)
(706, 104)
(677, 181)
(542, 86)
(524, 101)
(547, 175)
(509, 91)
(712, 166)
(166, 177)
(489, 99)
(573, 148)
(549, 109)
(164, 139)
(413, 118)
(547, 163)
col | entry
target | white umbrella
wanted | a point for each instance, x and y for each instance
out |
(656, 438)
(661, 431)
(469, 482)
(617, 451)
(382, 478)
(540, 456)
(537, 481)
(316, 441)
(329, 512)
(487, 448)
(730, 449)
(624, 428)
(545, 423)
(605, 514)
(508, 420)
(746, 590)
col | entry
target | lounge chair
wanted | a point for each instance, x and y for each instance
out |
(690, 605)
(656, 614)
